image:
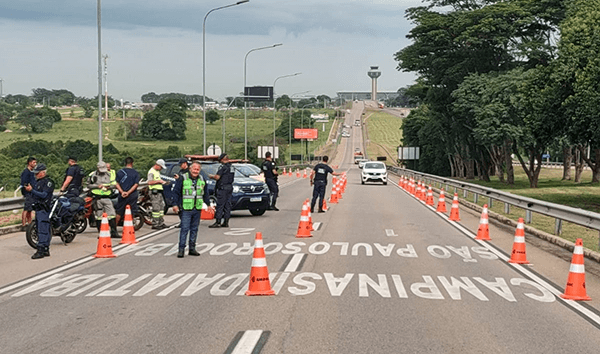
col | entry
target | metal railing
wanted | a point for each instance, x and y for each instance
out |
(559, 212)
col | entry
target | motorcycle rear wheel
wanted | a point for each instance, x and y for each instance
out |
(79, 223)
(31, 234)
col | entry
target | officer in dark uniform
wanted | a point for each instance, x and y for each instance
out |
(42, 195)
(270, 172)
(318, 178)
(224, 189)
(73, 179)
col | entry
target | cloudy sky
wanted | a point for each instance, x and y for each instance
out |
(156, 45)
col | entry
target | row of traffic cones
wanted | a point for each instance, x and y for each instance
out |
(104, 249)
(575, 289)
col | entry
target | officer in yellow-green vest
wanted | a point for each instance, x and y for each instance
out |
(102, 188)
(192, 196)
(155, 185)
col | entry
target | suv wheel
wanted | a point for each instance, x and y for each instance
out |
(257, 212)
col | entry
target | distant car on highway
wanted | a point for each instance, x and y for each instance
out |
(361, 162)
(374, 171)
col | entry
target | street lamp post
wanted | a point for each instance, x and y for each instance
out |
(99, 18)
(302, 125)
(245, 102)
(274, 109)
(204, 69)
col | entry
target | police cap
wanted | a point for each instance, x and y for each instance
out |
(39, 168)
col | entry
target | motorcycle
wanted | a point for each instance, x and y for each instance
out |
(67, 219)
(138, 218)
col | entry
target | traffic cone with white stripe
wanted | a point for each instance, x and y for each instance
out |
(259, 274)
(454, 214)
(128, 236)
(575, 289)
(423, 196)
(441, 207)
(297, 173)
(207, 213)
(325, 204)
(284, 171)
(304, 175)
(429, 199)
(304, 227)
(418, 190)
(104, 244)
(338, 189)
(483, 232)
(333, 199)
(519, 254)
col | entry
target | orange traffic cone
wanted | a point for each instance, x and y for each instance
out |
(441, 207)
(128, 236)
(334, 198)
(405, 184)
(575, 289)
(259, 273)
(304, 175)
(423, 196)
(338, 189)
(483, 233)
(207, 214)
(333, 181)
(518, 254)
(324, 204)
(454, 211)
(418, 190)
(284, 171)
(429, 200)
(290, 172)
(297, 173)
(304, 227)
(104, 244)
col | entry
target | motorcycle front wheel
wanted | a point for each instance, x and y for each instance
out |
(79, 223)
(31, 234)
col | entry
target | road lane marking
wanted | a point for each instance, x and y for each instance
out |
(295, 262)
(390, 232)
(589, 313)
(239, 231)
(248, 342)
(317, 225)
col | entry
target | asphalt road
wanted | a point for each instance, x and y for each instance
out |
(383, 273)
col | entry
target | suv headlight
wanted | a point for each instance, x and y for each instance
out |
(236, 189)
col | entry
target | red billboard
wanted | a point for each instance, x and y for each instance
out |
(306, 133)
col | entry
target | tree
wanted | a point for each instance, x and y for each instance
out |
(283, 101)
(166, 122)
(37, 120)
(323, 99)
(579, 74)
(212, 116)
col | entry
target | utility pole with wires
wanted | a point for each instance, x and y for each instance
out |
(105, 86)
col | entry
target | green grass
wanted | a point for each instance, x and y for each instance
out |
(260, 127)
(384, 135)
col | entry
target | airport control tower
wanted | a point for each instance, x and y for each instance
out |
(374, 73)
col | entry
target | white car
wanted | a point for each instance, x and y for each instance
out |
(374, 171)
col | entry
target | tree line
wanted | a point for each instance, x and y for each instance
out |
(498, 79)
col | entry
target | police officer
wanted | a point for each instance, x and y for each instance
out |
(183, 167)
(192, 195)
(270, 173)
(127, 183)
(155, 185)
(224, 189)
(102, 188)
(42, 196)
(27, 178)
(74, 175)
(318, 178)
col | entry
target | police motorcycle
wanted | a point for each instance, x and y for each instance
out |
(67, 219)
(138, 218)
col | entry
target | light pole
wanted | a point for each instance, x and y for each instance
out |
(245, 102)
(275, 109)
(302, 124)
(204, 69)
(99, 10)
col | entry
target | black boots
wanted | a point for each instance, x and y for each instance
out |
(225, 223)
(216, 224)
(113, 228)
(41, 253)
(193, 252)
(180, 253)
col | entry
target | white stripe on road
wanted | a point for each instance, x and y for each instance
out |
(294, 263)
(389, 232)
(248, 342)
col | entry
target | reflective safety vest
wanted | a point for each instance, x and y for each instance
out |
(155, 177)
(192, 193)
(100, 191)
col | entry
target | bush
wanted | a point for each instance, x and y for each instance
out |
(38, 120)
